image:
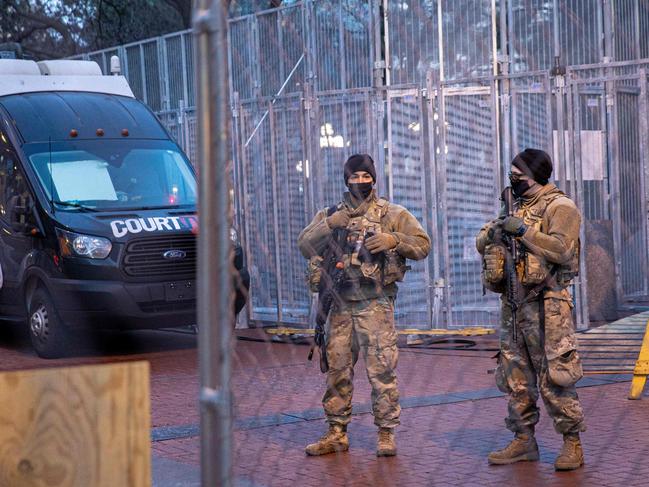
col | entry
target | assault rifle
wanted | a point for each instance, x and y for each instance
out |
(511, 262)
(331, 280)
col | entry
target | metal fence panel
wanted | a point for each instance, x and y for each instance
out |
(532, 33)
(343, 128)
(342, 56)
(467, 31)
(413, 41)
(471, 196)
(291, 175)
(408, 188)
(260, 222)
(631, 174)
(531, 114)
(243, 60)
(626, 25)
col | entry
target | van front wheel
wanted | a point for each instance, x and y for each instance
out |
(49, 335)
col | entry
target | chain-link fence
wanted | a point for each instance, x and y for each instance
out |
(442, 93)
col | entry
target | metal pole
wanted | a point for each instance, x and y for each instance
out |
(442, 150)
(644, 172)
(615, 188)
(609, 36)
(574, 122)
(215, 293)
(504, 115)
(424, 153)
(431, 140)
(559, 84)
(276, 236)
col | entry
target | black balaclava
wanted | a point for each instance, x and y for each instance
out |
(534, 163)
(360, 162)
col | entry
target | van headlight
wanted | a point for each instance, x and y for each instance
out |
(78, 245)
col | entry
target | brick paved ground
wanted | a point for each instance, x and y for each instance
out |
(452, 418)
(442, 444)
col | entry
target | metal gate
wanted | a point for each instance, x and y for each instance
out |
(608, 144)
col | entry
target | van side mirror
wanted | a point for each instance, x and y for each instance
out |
(21, 208)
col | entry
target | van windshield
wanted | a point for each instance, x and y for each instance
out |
(113, 175)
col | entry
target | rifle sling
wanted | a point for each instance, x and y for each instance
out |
(537, 290)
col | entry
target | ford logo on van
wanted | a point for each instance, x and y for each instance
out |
(174, 254)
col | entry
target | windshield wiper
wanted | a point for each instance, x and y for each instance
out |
(70, 204)
(155, 207)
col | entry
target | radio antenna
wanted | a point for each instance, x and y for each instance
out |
(49, 143)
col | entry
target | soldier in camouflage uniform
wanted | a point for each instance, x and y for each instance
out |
(362, 318)
(543, 356)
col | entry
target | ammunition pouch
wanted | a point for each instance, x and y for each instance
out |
(394, 267)
(568, 272)
(493, 267)
(565, 370)
(313, 273)
(560, 342)
(535, 269)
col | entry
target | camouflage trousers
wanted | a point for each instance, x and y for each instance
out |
(368, 327)
(540, 361)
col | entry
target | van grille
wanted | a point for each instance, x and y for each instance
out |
(145, 257)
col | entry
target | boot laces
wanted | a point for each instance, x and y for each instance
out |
(332, 433)
(569, 447)
(385, 435)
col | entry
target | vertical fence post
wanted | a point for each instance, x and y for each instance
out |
(145, 96)
(574, 151)
(215, 293)
(163, 68)
(548, 93)
(609, 31)
(273, 178)
(243, 202)
(380, 42)
(239, 213)
(442, 150)
(431, 217)
(613, 156)
(644, 172)
(504, 87)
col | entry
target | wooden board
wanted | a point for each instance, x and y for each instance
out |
(614, 348)
(85, 426)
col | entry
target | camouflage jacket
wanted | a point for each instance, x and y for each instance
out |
(553, 222)
(413, 241)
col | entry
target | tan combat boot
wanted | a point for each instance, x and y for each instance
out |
(334, 440)
(572, 455)
(522, 448)
(385, 444)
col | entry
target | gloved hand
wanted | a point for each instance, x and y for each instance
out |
(495, 233)
(514, 226)
(340, 219)
(381, 242)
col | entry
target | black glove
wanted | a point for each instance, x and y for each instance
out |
(514, 226)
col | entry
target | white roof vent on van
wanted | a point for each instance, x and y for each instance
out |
(19, 67)
(66, 67)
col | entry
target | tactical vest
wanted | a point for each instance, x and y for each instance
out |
(359, 264)
(361, 267)
(533, 269)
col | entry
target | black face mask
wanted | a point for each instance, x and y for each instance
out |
(520, 187)
(360, 191)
